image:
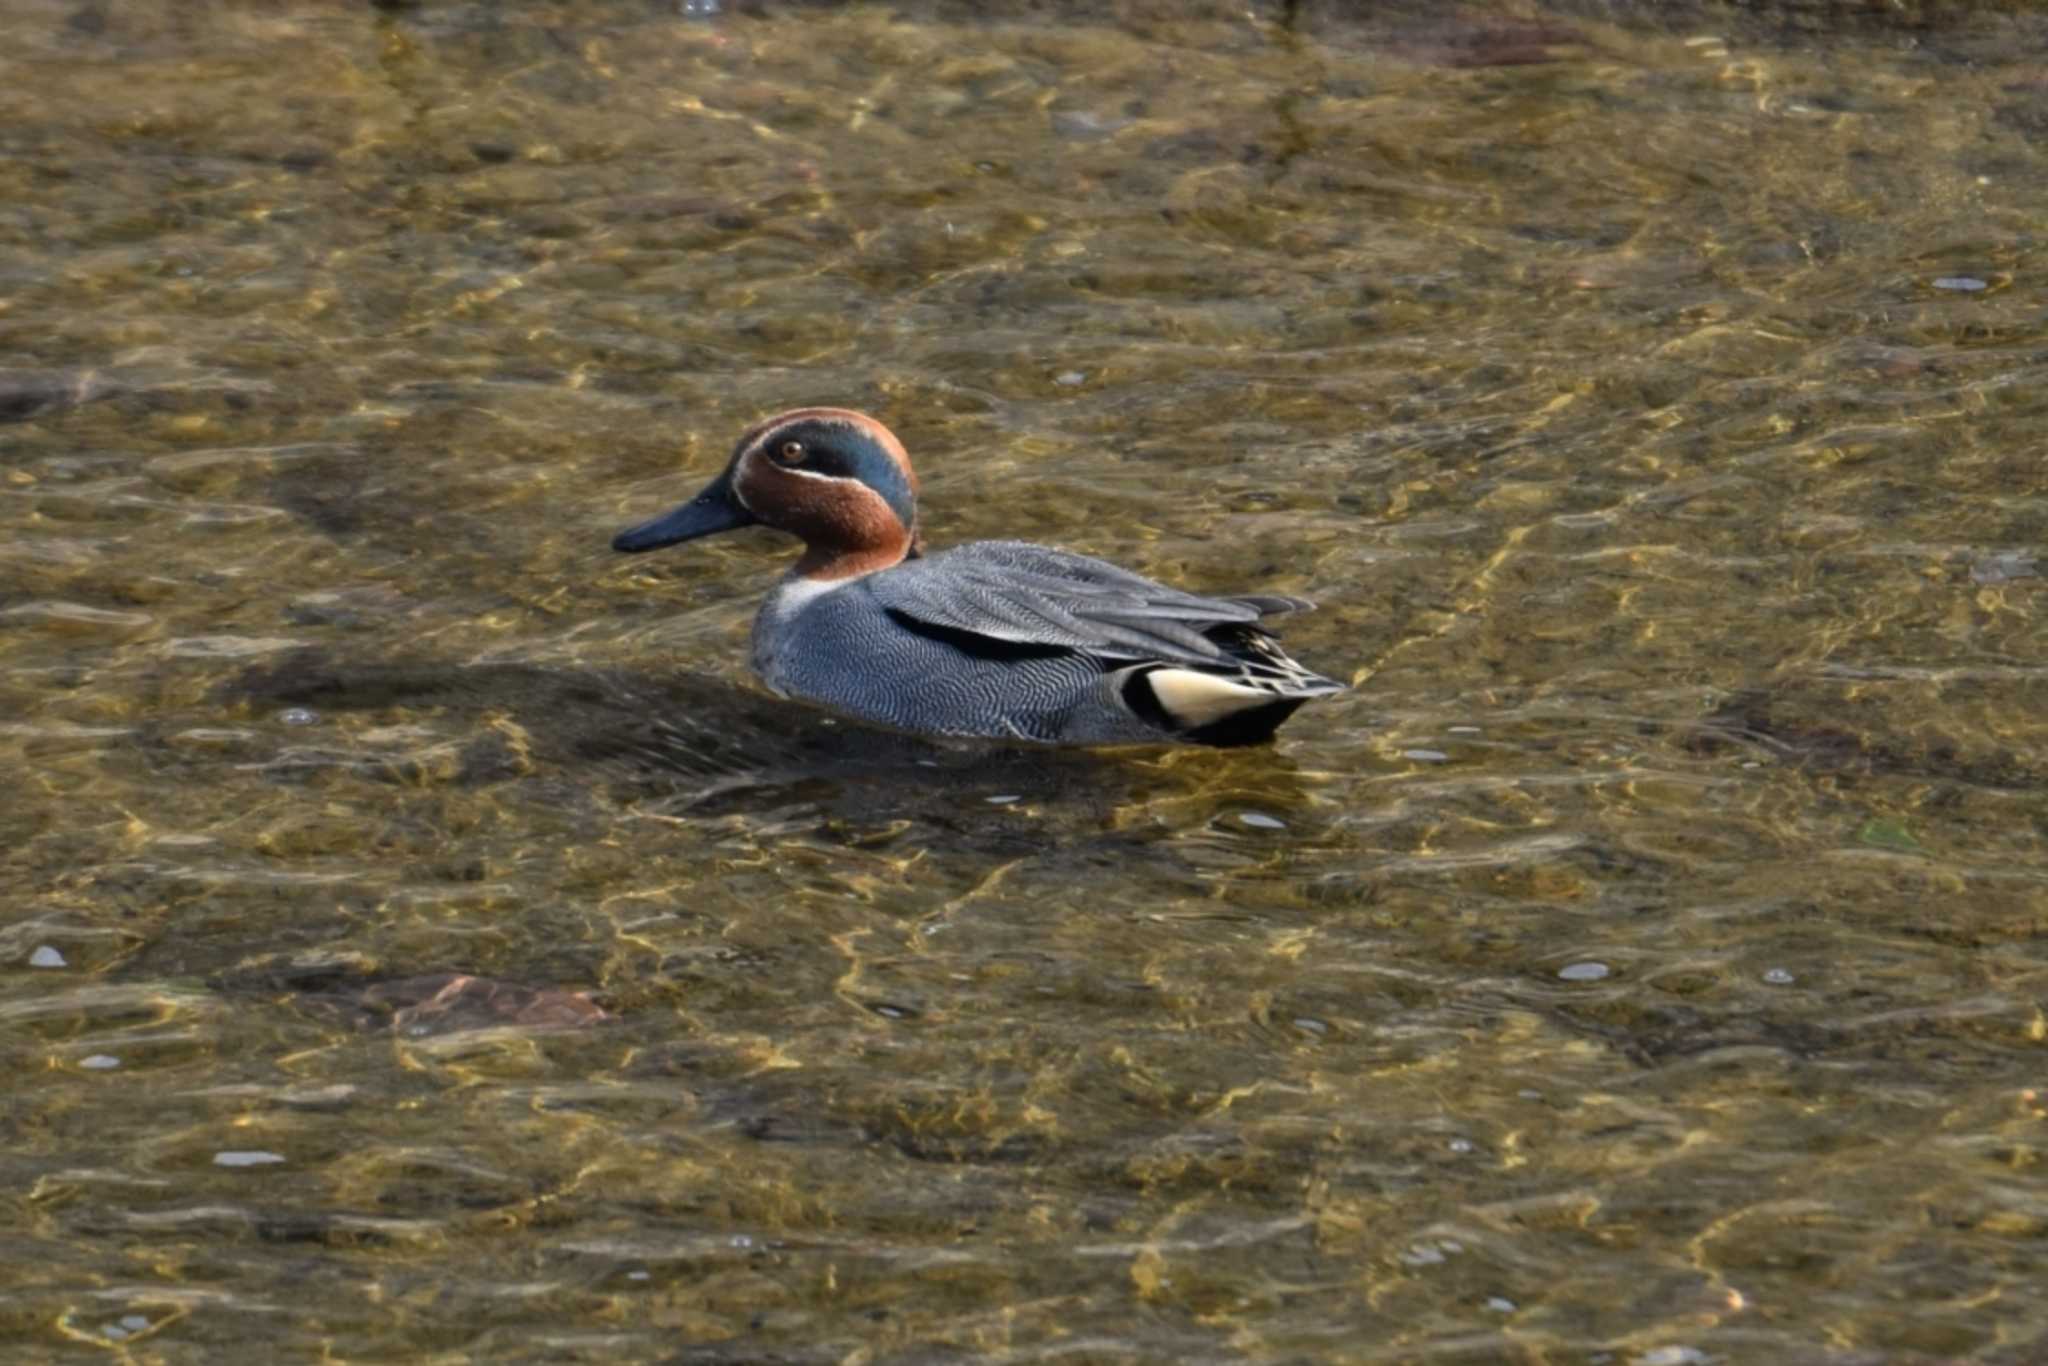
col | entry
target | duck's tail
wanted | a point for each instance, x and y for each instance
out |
(1239, 702)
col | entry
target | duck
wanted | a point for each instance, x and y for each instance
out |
(998, 640)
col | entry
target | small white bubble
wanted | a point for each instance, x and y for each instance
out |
(1259, 820)
(1584, 972)
(1967, 284)
(1779, 977)
(1463, 730)
(298, 716)
(1460, 1145)
(1004, 799)
(1070, 378)
(741, 1240)
(99, 1062)
(639, 1276)
(46, 957)
(1500, 1304)
(134, 1323)
(1423, 1254)
(1426, 756)
(1672, 1356)
(252, 1157)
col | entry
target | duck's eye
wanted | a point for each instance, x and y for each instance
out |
(790, 453)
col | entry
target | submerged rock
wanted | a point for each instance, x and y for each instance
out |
(25, 394)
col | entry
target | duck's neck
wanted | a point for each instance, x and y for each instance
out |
(836, 564)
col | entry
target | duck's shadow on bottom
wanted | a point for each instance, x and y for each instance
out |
(698, 746)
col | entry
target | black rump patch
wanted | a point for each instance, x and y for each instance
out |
(1252, 726)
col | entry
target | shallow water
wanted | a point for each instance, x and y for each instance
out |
(423, 941)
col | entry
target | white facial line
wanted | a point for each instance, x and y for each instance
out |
(759, 452)
(740, 493)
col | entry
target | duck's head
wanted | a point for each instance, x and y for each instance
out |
(837, 478)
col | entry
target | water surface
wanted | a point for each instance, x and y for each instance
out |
(422, 940)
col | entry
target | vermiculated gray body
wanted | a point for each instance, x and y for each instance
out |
(853, 659)
(1006, 639)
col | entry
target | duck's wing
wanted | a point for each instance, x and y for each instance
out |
(1032, 597)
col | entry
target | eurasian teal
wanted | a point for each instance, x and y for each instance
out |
(999, 639)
